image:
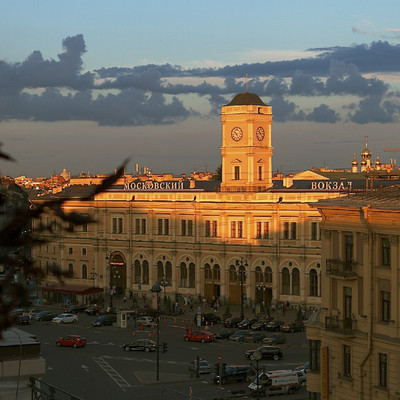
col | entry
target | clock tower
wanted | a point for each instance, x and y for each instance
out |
(246, 149)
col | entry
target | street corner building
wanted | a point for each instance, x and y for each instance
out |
(249, 238)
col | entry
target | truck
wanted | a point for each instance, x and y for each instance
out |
(275, 382)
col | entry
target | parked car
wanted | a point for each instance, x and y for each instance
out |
(232, 373)
(267, 352)
(292, 327)
(302, 376)
(74, 309)
(199, 336)
(19, 311)
(71, 341)
(224, 333)
(208, 318)
(274, 326)
(108, 310)
(92, 310)
(246, 323)
(32, 312)
(203, 366)
(239, 336)
(146, 345)
(254, 337)
(23, 320)
(232, 322)
(103, 320)
(146, 321)
(259, 325)
(44, 316)
(65, 319)
(274, 338)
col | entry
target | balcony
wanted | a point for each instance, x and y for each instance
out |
(346, 326)
(339, 268)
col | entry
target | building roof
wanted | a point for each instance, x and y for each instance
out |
(246, 99)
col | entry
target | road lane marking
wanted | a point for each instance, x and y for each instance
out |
(112, 373)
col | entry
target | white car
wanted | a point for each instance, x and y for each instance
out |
(65, 318)
(146, 321)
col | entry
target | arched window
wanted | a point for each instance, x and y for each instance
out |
(216, 272)
(313, 283)
(268, 275)
(296, 282)
(207, 272)
(285, 281)
(160, 271)
(259, 277)
(183, 274)
(138, 272)
(145, 272)
(232, 274)
(70, 271)
(168, 272)
(192, 275)
(84, 271)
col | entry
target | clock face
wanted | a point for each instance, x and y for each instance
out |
(260, 133)
(236, 134)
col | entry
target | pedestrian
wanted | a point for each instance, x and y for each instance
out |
(124, 299)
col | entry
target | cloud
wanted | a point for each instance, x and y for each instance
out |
(51, 90)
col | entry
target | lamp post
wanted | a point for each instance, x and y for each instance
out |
(93, 276)
(241, 273)
(109, 267)
(164, 283)
(157, 289)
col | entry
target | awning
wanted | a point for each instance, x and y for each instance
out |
(74, 289)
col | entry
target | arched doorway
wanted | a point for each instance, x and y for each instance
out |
(212, 281)
(117, 271)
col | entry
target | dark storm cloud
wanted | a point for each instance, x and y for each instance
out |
(144, 95)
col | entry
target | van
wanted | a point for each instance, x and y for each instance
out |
(105, 320)
(276, 382)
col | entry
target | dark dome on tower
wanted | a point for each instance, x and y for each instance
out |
(246, 99)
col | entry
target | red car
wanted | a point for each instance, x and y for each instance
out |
(199, 336)
(71, 341)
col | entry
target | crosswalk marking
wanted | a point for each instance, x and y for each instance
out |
(112, 373)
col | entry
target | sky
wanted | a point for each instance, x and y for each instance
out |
(85, 85)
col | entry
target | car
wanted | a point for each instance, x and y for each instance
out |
(108, 310)
(259, 325)
(302, 377)
(274, 326)
(146, 345)
(254, 337)
(65, 319)
(208, 318)
(239, 336)
(146, 321)
(199, 336)
(246, 323)
(201, 366)
(44, 316)
(224, 333)
(232, 322)
(292, 327)
(33, 311)
(92, 310)
(75, 309)
(23, 320)
(267, 352)
(305, 367)
(231, 373)
(71, 341)
(19, 311)
(103, 320)
(274, 338)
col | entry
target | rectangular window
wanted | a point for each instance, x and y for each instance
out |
(385, 306)
(117, 225)
(120, 225)
(240, 229)
(166, 227)
(143, 226)
(84, 227)
(258, 230)
(286, 230)
(137, 226)
(233, 229)
(84, 251)
(294, 230)
(260, 175)
(383, 372)
(160, 226)
(70, 250)
(214, 229)
(237, 172)
(315, 355)
(266, 230)
(183, 227)
(346, 361)
(190, 227)
(348, 248)
(208, 229)
(314, 230)
(386, 252)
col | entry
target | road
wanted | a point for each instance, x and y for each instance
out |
(102, 370)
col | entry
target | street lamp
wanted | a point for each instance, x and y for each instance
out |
(157, 289)
(93, 276)
(109, 267)
(261, 289)
(241, 273)
(164, 283)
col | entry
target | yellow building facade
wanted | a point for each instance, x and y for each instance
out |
(355, 337)
(243, 236)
